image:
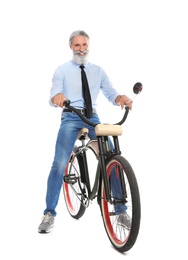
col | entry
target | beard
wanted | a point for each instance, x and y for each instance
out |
(79, 58)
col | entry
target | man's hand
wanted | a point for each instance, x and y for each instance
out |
(124, 100)
(58, 100)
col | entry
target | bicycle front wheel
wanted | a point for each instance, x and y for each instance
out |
(121, 237)
(73, 188)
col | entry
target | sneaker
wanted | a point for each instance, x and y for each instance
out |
(124, 220)
(47, 223)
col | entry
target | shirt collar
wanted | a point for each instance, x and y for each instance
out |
(78, 65)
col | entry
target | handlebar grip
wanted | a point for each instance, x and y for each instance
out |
(66, 102)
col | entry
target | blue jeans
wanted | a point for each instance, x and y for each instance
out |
(68, 131)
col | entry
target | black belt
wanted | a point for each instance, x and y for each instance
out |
(82, 111)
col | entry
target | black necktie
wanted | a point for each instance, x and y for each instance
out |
(86, 93)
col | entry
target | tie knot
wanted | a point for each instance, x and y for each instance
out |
(82, 66)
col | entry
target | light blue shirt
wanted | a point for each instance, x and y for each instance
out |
(67, 80)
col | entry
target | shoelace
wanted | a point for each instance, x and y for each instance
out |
(46, 219)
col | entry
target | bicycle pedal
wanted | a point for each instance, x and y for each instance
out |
(70, 178)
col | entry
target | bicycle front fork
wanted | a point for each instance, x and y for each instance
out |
(103, 150)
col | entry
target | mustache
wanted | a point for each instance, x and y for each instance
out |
(81, 52)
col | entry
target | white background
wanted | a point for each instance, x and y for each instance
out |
(133, 41)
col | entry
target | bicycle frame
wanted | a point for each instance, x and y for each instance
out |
(102, 154)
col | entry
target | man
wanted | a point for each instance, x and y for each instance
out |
(67, 84)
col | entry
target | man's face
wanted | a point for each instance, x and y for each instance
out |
(80, 48)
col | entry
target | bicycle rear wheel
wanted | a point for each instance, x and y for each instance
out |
(121, 238)
(73, 188)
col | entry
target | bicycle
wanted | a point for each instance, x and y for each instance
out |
(77, 188)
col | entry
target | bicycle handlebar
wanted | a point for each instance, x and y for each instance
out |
(67, 104)
(137, 88)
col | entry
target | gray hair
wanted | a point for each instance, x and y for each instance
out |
(77, 33)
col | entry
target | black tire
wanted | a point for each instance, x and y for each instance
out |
(121, 238)
(72, 189)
